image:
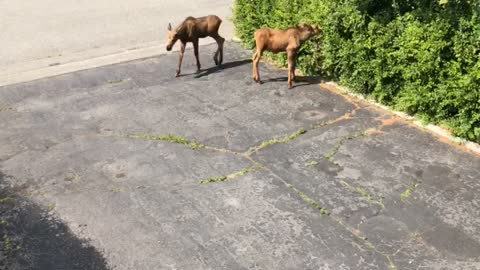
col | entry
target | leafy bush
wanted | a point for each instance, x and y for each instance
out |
(419, 56)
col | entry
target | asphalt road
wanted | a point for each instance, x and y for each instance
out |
(38, 35)
(136, 169)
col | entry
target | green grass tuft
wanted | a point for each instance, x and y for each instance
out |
(170, 138)
(273, 141)
(214, 179)
(6, 199)
(309, 200)
(230, 176)
(311, 164)
(51, 206)
(115, 81)
(341, 141)
(363, 193)
(408, 193)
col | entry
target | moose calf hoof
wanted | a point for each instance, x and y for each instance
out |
(216, 62)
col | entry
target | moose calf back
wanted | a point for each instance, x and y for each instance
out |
(206, 26)
(276, 40)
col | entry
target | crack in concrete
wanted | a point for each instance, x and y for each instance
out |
(278, 140)
(5, 107)
(363, 193)
(194, 145)
(8, 245)
(409, 191)
(355, 232)
(170, 138)
(231, 176)
(347, 116)
(415, 236)
(309, 200)
(116, 81)
(341, 141)
(274, 141)
(311, 164)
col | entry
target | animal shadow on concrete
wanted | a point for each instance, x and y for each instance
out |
(299, 80)
(228, 65)
(32, 239)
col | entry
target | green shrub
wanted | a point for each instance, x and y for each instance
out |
(419, 56)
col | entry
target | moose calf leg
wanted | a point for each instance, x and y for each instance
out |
(215, 57)
(195, 51)
(254, 73)
(256, 60)
(291, 66)
(220, 46)
(180, 59)
(218, 58)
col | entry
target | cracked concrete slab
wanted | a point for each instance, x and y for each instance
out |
(213, 171)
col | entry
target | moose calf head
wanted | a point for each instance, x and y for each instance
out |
(310, 30)
(172, 37)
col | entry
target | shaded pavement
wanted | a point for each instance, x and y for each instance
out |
(213, 171)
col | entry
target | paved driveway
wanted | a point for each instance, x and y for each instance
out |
(212, 171)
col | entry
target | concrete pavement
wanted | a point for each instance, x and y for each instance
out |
(47, 38)
(213, 171)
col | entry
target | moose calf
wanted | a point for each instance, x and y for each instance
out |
(289, 40)
(190, 30)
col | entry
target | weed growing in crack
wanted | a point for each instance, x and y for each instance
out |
(230, 176)
(321, 124)
(115, 81)
(391, 264)
(247, 155)
(214, 179)
(408, 193)
(70, 177)
(357, 234)
(370, 245)
(273, 141)
(311, 164)
(309, 200)
(363, 193)
(4, 109)
(340, 142)
(170, 138)
(6, 199)
(329, 122)
(51, 207)
(7, 242)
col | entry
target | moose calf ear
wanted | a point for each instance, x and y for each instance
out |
(169, 27)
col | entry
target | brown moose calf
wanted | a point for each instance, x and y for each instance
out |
(289, 40)
(190, 30)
